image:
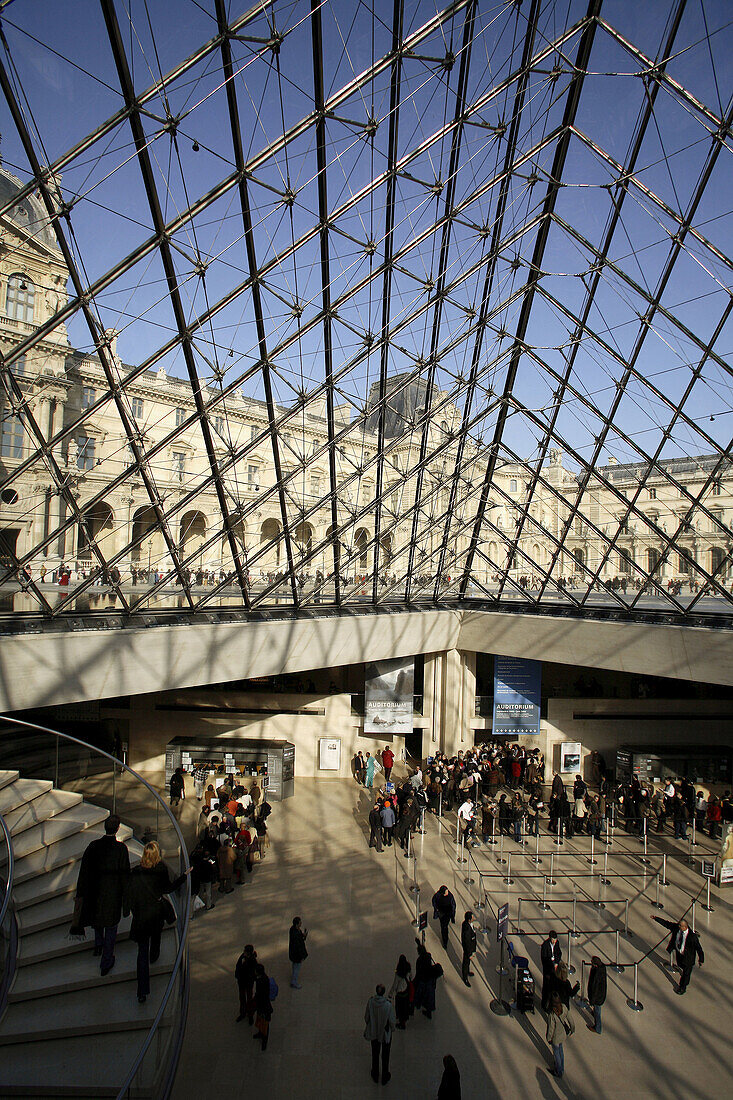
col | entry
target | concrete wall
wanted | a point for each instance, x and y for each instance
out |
(153, 725)
(617, 722)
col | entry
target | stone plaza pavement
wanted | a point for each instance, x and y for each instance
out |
(358, 908)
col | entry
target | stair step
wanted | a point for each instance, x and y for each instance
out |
(42, 946)
(42, 808)
(80, 970)
(91, 1011)
(46, 914)
(75, 1068)
(62, 879)
(63, 852)
(21, 791)
(7, 777)
(65, 824)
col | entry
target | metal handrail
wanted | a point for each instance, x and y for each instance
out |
(181, 960)
(11, 870)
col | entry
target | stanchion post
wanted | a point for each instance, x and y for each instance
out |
(500, 858)
(416, 921)
(536, 857)
(509, 881)
(582, 980)
(633, 1002)
(689, 850)
(551, 881)
(543, 904)
(656, 904)
(599, 903)
(440, 803)
(519, 931)
(557, 839)
(693, 917)
(617, 965)
(694, 831)
(592, 861)
(468, 880)
(643, 859)
(485, 927)
(604, 878)
(626, 919)
(664, 881)
(574, 933)
(707, 906)
(492, 838)
(571, 968)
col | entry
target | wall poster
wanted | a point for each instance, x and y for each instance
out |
(570, 756)
(329, 754)
(388, 696)
(517, 691)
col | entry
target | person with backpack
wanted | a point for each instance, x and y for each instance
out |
(560, 1026)
(177, 787)
(297, 952)
(244, 973)
(265, 993)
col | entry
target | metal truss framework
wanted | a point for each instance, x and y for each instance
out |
(423, 213)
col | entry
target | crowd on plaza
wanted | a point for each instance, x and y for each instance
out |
(499, 789)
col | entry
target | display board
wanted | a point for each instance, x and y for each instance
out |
(517, 691)
(388, 696)
(570, 756)
(329, 754)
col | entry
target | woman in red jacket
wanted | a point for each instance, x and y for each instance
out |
(714, 818)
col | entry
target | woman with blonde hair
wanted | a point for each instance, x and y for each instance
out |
(146, 886)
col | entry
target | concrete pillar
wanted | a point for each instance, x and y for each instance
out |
(450, 699)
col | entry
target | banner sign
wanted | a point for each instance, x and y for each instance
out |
(502, 921)
(388, 692)
(517, 690)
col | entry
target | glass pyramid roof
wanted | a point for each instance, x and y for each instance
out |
(317, 304)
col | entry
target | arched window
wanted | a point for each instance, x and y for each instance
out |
(20, 299)
(579, 559)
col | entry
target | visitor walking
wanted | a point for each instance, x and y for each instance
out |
(444, 911)
(244, 972)
(263, 1005)
(684, 944)
(297, 952)
(450, 1083)
(559, 1027)
(596, 992)
(146, 886)
(468, 943)
(100, 887)
(380, 1020)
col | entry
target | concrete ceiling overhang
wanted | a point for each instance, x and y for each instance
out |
(53, 668)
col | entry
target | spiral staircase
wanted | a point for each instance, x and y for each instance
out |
(65, 1030)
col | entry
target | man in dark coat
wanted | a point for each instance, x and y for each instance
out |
(468, 943)
(375, 827)
(297, 952)
(685, 944)
(444, 911)
(550, 956)
(103, 874)
(597, 984)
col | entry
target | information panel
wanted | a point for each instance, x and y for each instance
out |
(517, 690)
(388, 693)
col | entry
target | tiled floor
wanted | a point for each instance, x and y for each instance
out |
(358, 908)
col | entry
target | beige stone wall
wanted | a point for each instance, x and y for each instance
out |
(151, 727)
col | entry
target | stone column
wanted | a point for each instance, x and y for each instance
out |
(450, 699)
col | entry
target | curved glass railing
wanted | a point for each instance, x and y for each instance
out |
(75, 765)
(8, 927)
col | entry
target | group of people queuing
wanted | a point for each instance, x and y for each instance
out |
(231, 832)
(678, 802)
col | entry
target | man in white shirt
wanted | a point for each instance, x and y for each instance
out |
(466, 817)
